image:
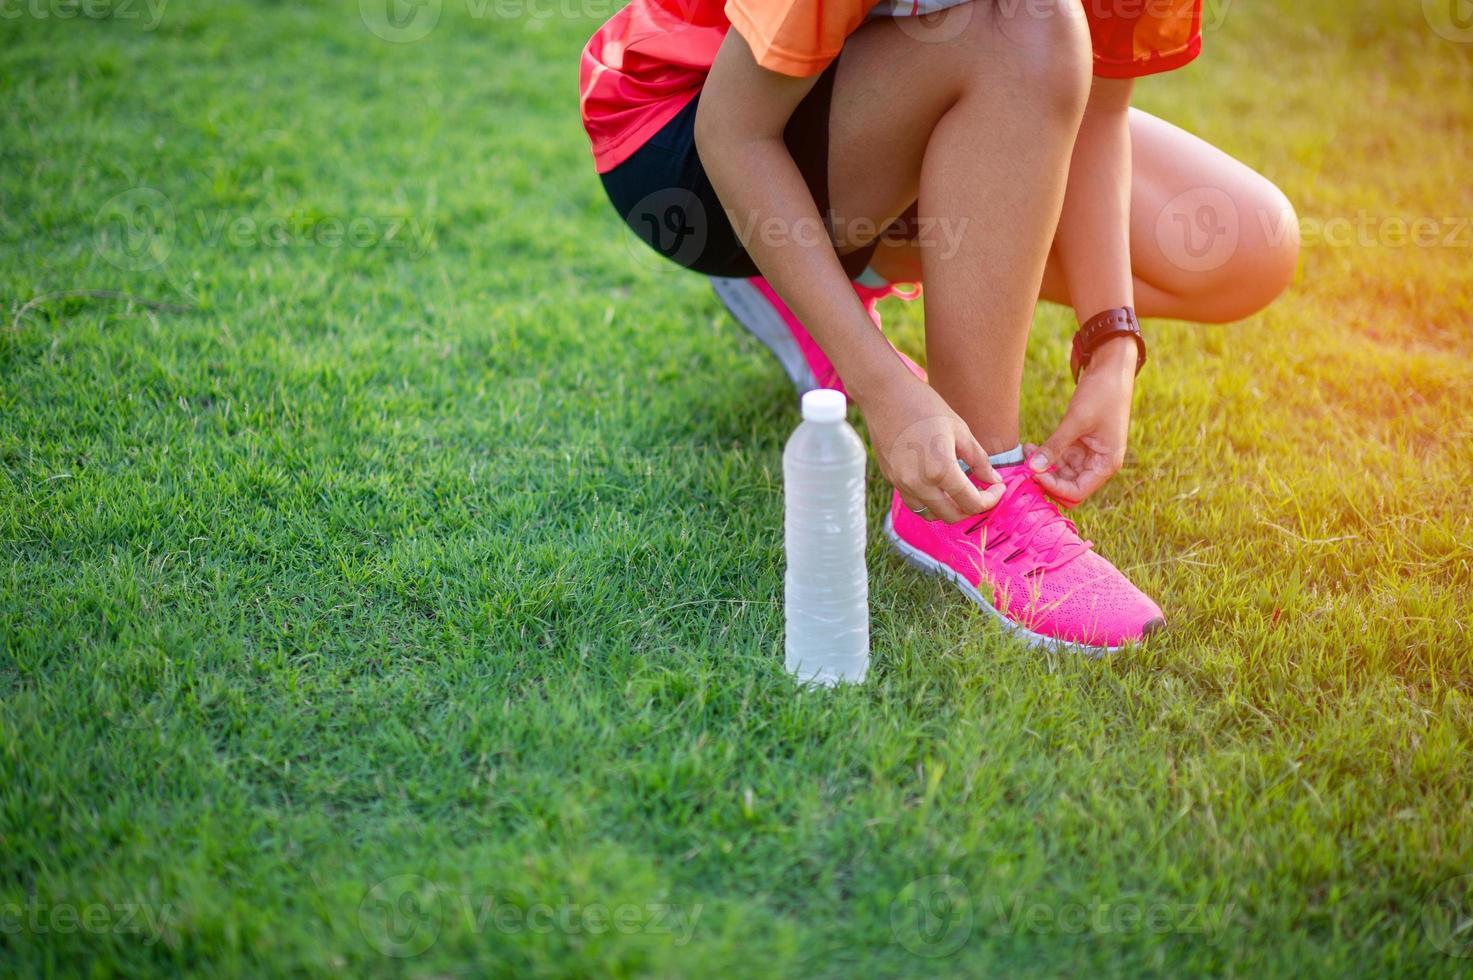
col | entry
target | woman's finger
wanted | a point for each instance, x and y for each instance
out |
(907, 501)
(1066, 489)
(928, 503)
(1088, 481)
(915, 505)
(955, 483)
(941, 506)
(969, 498)
(970, 450)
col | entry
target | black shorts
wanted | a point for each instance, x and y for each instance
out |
(663, 194)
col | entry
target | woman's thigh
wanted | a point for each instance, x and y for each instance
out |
(1211, 239)
(897, 79)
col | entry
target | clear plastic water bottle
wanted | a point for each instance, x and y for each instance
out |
(827, 589)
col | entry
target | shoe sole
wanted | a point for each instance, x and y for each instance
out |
(752, 310)
(927, 564)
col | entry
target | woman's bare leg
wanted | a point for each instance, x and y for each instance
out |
(918, 116)
(1211, 240)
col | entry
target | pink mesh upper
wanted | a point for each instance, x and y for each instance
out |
(1055, 584)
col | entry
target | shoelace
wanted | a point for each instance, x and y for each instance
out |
(1037, 524)
(871, 295)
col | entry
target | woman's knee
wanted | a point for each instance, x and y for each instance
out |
(1040, 52)
(1268, 254)
(1279, 247)
(1224, 250)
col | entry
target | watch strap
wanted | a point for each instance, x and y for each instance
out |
(1102, 327)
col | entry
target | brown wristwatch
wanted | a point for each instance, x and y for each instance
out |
(1100, 328)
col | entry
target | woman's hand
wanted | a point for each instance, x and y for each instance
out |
(1088, 447)
(917, 440)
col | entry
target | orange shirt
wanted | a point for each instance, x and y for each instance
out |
(651, 58)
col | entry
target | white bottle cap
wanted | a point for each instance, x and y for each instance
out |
(824, 405)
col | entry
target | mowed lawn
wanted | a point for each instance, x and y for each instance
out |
(404, 598)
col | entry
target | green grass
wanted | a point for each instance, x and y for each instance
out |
(452, 560)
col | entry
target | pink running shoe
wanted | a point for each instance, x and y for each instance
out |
(756, 306)
(1024, 562)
